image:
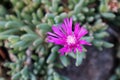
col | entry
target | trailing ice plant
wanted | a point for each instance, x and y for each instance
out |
(65, 36)
(24, 25)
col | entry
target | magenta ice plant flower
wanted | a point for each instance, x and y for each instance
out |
(70, 39)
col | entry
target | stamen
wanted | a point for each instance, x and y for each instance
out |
(70, 39)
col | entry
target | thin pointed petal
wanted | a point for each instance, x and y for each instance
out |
(63, 50)
(57, 31)
(84, 42)
(82, 32)
(76, 29)
(52, 34)
(79, 48)
(68, 25)
(55, 40)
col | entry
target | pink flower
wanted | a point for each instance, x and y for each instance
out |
(65, 36)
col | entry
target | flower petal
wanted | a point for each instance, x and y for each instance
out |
(55, 40)
(79, 48)
(84, 42)
(76, 29)
(52, 34)
(82, 32)
(57, 31)
(64, 50)
(68, 25)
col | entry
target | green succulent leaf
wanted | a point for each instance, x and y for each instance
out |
(65, 60)
(79, 58)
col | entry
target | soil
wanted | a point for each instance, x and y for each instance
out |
(98, 65)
